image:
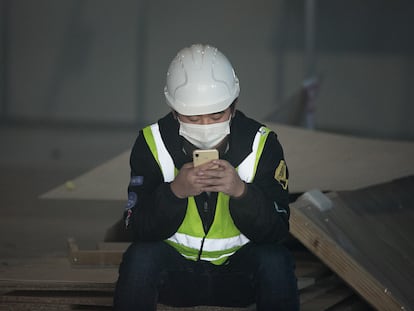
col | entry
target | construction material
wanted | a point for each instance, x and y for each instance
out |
(365, 238)
(107, 254)
(62, 284)
(316, 160)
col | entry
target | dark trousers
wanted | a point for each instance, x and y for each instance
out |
(155, 272)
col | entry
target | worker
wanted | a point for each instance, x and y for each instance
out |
(211, 234)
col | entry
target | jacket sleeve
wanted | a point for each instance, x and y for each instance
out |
(262, 214)
(153, 212)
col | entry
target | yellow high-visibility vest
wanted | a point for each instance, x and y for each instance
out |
(223, 238)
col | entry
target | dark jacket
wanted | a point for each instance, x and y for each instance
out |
(262, 214)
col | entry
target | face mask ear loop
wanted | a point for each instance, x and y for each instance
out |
(231, 119)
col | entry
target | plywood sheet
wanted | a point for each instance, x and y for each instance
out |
(52, 284)
(366, 238)
(57, 272)
(107, 181)
(316, 160)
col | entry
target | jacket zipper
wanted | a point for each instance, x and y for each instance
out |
(205, 210)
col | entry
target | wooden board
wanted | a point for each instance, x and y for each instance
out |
(109, 254)
(316, 159)
(48, 287)
(366, 238)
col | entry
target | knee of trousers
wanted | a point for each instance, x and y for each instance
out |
(276, 271)
(276, 256)
(143, 255)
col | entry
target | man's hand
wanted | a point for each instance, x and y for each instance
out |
(214, 176)
(184, 184)
(223, 178)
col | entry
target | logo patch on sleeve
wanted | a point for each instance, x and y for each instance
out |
(281, 174)
(137, 180)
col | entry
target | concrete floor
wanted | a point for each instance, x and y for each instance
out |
(36, 159)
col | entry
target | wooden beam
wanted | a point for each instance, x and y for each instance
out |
(336, 258)
(98, 257)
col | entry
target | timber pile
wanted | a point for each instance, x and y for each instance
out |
(357, 254)
(85, 281)
(365, 237)
(356, 222)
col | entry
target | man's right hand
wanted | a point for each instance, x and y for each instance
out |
(184, 186)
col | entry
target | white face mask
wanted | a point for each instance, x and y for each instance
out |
(205, 136)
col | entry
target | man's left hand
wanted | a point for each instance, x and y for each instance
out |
(220, 176)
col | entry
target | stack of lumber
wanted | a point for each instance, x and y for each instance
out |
(356, 253)
(85, 281)
(365, 237)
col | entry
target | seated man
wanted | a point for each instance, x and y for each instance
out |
(211, 234)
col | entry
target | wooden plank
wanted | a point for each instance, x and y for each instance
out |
(96, 257)
(325, 152)
(385, 214)
(353, 303)
(17, 306)
(350, 248)
(55, 271)
(110, 254)
(162, 307)
(328, 300)
(53, 295)
(97, 295)
(113, 246)
(60, 274)
(319, 289)
(55, 281)
(339, 261)
(7, 286)
(89, 298)
(310, 267)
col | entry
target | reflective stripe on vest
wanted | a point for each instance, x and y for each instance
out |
(159, 151)
(223, 237)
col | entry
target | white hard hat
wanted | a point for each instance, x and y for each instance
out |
(200, 80)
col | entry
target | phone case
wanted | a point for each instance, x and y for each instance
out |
(203, 156)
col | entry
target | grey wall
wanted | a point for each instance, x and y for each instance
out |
(72, 60)
(105, 61)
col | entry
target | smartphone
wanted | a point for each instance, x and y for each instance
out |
(201, 156)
